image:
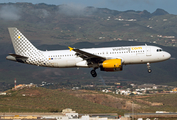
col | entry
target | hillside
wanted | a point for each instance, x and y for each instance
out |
(83, 101)
(64, 24)
(46, 100)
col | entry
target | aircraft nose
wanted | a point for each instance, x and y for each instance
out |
(167, 55)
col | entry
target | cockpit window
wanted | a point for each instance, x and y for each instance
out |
(159, 50)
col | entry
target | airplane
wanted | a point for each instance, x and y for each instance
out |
(107, 59)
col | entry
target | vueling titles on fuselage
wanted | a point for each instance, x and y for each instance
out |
(126, 48)
(107, 59)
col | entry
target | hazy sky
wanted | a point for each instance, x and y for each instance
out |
(120, 5)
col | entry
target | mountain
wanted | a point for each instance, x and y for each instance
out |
(67, 24)
(159, 12)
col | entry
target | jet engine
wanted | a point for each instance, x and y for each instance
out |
(111, 65)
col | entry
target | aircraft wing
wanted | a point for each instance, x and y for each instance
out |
(87, 56)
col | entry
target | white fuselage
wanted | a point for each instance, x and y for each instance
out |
(128, 54)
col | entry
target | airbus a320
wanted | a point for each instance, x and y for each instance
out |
(108, 59)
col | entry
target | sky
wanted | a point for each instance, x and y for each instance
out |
(120, 5)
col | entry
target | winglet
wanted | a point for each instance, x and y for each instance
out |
(70, 48)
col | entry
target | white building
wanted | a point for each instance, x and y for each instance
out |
(3, 93)
(72, 115)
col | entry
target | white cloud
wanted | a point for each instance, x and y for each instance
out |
(75, 10)
(10, 12)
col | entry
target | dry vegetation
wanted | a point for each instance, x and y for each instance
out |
(83, 101)
(46, 100)
(105, 99)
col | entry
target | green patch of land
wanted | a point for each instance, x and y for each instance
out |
(46, 100)
(83, 101)
(168, 100)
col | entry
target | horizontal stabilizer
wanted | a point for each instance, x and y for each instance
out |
(15, 57)
(18, 56)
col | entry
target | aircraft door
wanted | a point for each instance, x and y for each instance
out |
(148, 51)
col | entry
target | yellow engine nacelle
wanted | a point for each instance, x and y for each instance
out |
(111, 65)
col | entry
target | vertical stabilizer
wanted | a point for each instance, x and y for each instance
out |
(22, 45)
(24, 49)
